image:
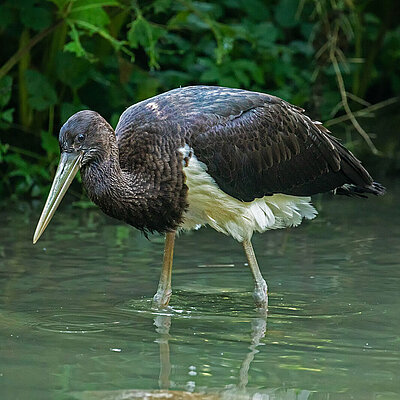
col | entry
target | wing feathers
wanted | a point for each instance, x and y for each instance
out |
(274, 148)
(253, 144)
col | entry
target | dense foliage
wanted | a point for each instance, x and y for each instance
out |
(334, 57)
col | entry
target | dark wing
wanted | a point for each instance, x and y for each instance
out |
(253, 144)
(274, 148)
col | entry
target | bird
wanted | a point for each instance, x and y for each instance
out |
(236, 160)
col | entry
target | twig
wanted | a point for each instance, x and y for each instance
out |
(21, 52)
(364, 112)
(358, 99)
(342, 90)
(352, 97)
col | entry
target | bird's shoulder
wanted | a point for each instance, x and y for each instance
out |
(176, 117)
(188, 106)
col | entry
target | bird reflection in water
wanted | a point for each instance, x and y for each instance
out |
(169, 390)
(163, 325)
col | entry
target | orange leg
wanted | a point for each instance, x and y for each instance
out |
(164, 291)
(260, 293)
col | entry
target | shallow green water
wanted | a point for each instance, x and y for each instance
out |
(76, 322)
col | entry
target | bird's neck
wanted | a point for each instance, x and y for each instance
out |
(126, 195)
(117, 193)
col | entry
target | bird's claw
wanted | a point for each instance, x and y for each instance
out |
(260, 295)
(161, 299)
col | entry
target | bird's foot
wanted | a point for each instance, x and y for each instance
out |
(161, 298)
(260, 295)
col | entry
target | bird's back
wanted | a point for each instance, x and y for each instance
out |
(252, 144)
(181, 105)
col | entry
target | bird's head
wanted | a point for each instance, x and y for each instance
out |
(83, 139)
(85, 136)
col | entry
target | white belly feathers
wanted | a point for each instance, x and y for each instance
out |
(209, 205)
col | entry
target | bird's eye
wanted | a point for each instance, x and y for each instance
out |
(80, 138)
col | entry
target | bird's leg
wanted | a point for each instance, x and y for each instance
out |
(260, 293)
(163, 323)
(259, 327)
(164, 291)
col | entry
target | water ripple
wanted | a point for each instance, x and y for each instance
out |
(75, 323)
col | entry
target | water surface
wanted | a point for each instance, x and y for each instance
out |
(76, 320)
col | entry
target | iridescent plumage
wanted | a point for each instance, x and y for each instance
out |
(237, 160)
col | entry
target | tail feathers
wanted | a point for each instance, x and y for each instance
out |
(359, 180)
(360, 191)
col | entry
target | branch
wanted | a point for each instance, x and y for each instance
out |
(21, 52)
(364, 112)
(343, 94)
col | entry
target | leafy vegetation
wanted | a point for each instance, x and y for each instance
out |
(340, 59)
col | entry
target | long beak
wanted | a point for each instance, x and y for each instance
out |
(66, 171)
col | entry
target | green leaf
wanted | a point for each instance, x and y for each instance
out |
(60, 3)
(209, 8)
(142, 33)
(138, 32)
(68, 109)
(20, 166)
(36, 17)
(302, 47)
(265, 34)
(75, 46)
(83, 5)
(114, 119)
(72, 70)
(161, 6)
(195, 22)
(178, 20)
(242, 77)
(36, 191)
(5, 90)
(49, 143)
(3, 150)
(91, 11)
(41, 93)
(225, 37)
(306, 30)
(285, 13)
(250, 68)
(117, 44)
(6, 16)
(256, 9)
(7, 115)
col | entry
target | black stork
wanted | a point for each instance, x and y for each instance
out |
(239, 161)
